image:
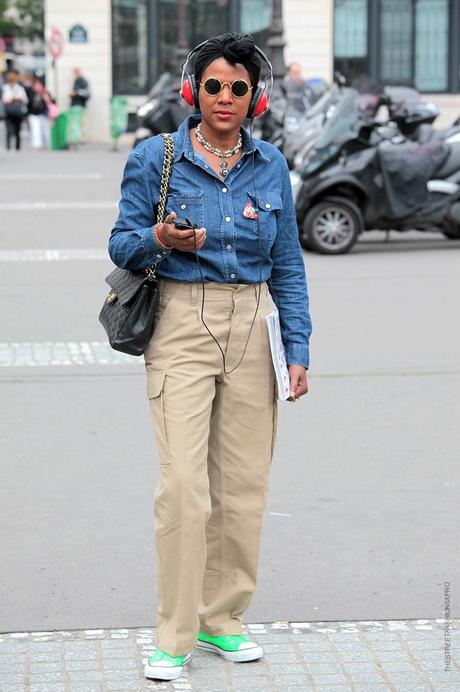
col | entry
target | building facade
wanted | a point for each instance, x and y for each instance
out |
(130, 42)
(403, 42)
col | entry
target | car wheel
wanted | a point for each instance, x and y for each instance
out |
(332, 226)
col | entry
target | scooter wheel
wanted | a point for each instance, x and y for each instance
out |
(332, 226)
(451, 230)
(452, 235)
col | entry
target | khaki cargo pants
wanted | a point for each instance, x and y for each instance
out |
(215, 435)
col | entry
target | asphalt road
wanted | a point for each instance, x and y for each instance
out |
(362, 520)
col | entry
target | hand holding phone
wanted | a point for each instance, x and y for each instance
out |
(181, 233)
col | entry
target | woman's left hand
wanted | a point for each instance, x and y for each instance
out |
(298, 378)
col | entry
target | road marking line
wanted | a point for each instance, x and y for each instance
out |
(50, 176)
(386, 373)
(49, 353)
(53, 255)
(56, 206)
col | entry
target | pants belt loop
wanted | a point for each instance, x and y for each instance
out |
(194, 292)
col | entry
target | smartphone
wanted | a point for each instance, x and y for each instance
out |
(184, 224)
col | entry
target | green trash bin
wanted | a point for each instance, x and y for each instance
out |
(118, 117)
(59, 132)
(74, 125)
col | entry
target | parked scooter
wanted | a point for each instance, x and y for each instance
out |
(292, 123)
(357, 179)
(302, 130)
(163, 111)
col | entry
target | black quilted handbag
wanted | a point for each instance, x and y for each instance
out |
(128, 312)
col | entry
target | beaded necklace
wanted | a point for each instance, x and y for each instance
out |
(223, 165)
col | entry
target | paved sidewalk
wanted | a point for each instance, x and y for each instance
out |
(406, 656)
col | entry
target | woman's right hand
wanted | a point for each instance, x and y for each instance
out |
(181, 240)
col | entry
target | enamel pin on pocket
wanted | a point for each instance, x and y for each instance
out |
(250, 212)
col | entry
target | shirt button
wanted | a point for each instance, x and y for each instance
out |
(232, 276)
(267, 206)
(159, 256)
(229, 247)
(183, 206)
(228, 218)
(238, 165)
(224, 189)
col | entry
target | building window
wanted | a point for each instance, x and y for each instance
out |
(145, 34)
(431, 45)
(414, 43)
(350, 37)
(204, 18)
(396, 41)
(403, 42)
(255, 19)
(130, 46)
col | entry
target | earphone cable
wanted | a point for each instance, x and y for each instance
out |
(228, 372)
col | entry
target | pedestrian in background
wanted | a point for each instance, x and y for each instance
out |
(15, 100)
(215, 428)
(80, 95)
(80, 91)
(39, 122)
(296, 88)
(27, 79)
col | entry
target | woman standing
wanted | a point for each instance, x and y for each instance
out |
(215, 419)
(15, 99)
(39, 122)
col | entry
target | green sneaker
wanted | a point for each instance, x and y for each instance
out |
(233, 647)
(162, 666)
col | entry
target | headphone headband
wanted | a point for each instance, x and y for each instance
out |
(258, 50)
(260, 99)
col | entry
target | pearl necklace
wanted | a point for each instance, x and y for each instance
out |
(221, 154)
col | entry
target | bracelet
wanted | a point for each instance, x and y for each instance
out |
(157, 238)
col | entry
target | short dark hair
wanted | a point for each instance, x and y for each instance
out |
(234, 47)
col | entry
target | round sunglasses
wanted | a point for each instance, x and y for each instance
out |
(214, 86)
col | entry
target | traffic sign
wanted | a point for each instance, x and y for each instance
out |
(56, 43)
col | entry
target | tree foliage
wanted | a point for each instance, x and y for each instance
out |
(7, 25)
(22, 18)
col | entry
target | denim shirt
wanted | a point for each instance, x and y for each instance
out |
(231, 250)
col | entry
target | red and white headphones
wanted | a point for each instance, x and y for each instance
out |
(260, 99)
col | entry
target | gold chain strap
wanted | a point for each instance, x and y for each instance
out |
(167, 168)
(166, 175)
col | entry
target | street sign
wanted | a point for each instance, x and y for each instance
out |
(56, 43)
(78, 34)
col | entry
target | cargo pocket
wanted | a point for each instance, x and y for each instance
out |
(156, 392)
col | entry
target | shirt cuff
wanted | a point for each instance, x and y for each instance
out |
(152, 248)
(297, 354)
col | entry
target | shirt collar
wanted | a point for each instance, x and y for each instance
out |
(183, 144)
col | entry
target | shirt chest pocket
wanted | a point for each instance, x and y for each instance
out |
(269, 205)
(188, 206)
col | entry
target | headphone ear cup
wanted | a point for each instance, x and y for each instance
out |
(186, 92)
(262, 104)
(194, 90)
(253, 102)
(259, 102)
